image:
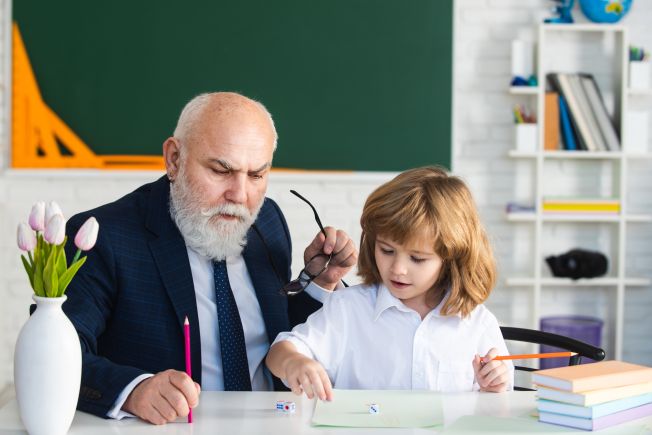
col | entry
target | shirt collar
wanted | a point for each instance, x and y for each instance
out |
(385, 300)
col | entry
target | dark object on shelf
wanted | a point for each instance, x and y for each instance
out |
(518, 81)
(578, 263)
(563, 10)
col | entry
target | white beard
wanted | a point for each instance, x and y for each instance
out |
(202, 228)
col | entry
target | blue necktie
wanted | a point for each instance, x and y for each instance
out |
(235, 366)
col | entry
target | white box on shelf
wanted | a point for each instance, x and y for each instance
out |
(639, 75)
(638, 126)
(522, 58)
(525, 137)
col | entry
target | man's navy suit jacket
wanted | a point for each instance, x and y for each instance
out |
(129, 301)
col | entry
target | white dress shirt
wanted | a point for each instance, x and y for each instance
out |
(368, 339)
(253, 326)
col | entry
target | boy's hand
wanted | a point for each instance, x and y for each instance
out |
(491, 375)
(307, 375)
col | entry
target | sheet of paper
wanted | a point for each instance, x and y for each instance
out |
(472, 424)
(350, 408)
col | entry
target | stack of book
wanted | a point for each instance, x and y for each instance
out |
(583, 119)
(594, 396)
(581, 205)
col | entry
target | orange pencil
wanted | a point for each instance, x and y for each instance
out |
(535, 355)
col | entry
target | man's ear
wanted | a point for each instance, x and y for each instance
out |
(171, 155)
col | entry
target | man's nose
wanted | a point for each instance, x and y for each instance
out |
(237, 189)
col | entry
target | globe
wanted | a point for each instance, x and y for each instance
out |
(605, 11)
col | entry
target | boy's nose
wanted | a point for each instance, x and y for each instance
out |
(398, 267)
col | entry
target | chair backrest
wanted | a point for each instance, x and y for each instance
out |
(547, 338)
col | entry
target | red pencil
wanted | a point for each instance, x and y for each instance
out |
(186, 335)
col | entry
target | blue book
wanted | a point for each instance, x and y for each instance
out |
(566, 128)
(595, 411)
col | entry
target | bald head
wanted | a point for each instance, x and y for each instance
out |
(214, 109)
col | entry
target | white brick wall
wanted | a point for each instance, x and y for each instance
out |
(482, 131)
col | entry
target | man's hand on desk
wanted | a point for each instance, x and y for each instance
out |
(493, 375)
(163, 398)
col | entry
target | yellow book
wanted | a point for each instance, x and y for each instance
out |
(579, 200)
(586, 207)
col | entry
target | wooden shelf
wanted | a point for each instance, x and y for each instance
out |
(588, 155)
(576, 217)
(583, 27)
(524, 90)
(639, 92)
(582, 282)
(560, 155)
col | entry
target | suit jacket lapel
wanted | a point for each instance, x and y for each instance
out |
(272, 304)
(170, 255)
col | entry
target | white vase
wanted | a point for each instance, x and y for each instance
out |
(47, 369)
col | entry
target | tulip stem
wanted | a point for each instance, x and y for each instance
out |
(77, 254)
(31, 260)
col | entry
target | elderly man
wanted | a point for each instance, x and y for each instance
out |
(202, 242)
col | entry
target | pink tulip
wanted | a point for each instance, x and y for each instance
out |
(87, 234)
(55, 230)
(52, 209)
(37, 216)
(26, 237)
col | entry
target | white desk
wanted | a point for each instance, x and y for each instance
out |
(255, 413)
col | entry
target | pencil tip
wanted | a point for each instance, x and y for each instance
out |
(185, 322)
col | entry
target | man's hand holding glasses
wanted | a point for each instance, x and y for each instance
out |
(336, 251)
(329, 257)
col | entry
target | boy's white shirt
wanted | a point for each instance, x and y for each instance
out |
(368, 339)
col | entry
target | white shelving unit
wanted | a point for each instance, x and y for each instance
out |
(603, 51)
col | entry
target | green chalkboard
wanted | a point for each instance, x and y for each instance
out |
(352, 84)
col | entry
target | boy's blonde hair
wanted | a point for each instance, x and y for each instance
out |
(429, 201)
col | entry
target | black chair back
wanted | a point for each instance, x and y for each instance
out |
(547, 338)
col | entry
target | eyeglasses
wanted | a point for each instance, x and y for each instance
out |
(299, 284)
(305, 277)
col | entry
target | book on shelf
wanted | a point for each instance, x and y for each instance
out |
(581, 208)
(567, 133)
(596, 102)
(580, 205)
(581, 200)
(594, 397)
(596, 138)
(551, 122)
(597, 423)
(594, 376)
(594, 411)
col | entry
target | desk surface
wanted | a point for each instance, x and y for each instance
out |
(255, 413)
